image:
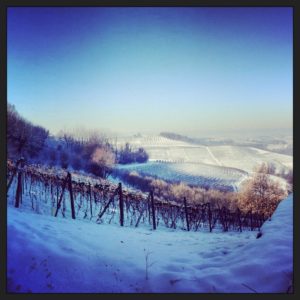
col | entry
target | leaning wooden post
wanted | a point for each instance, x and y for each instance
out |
(225, 219)
(153, 210)
(22, 188)
(71, 195)
(61, 196)
(91, 205)
(121, 202)
(13, 174)
(19, 189)
(186, 215)
(11, 179)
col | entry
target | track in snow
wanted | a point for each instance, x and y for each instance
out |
(213, 157)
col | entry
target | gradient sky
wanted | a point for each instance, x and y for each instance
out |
(152, 69)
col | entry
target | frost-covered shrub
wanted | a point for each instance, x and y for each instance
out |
(127, 155)
(261, 194)
(102, 161)
(160, 187)
(170, 191)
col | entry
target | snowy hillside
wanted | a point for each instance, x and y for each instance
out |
(203, 175)
(220, 167)
(244, 158)
(47, 254)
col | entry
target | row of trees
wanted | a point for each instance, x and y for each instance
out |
(95, 153)
(23, 138)
(169, 191)
(92, 153)
(127, 155)
(270, 168)
(261, 193)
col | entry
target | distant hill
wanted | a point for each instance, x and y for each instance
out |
(196, 141)
(265, 143)
(175, 148)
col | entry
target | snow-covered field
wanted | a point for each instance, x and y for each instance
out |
(246, 158)
(243, 158)
(217, 166)
(191, 173)
(47, 254)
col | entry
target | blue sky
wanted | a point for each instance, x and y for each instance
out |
(152, 69)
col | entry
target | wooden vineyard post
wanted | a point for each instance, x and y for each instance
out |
(71, 195)
(121, 202)
(153, 210)
(209, 218)
(239, 219)
(149, 208)
(186, 215)
(19, 189)
(13, 174)
(107, 204)
(256, 221)
(61, 196)
(11, 180)
(22, 188)
(225, 219)
(262, 220)
(91, 205)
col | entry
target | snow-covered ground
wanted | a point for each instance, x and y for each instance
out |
(48, 254)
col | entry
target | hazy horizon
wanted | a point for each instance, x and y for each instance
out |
(235, 134)
(131, 70)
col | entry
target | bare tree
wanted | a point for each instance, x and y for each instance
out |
(23, 138)
(266, 168)
(104, 159)
(261, 194)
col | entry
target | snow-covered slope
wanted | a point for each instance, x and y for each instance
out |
(203, 165)
(204, 175)
(47, 254)
(245, 158)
